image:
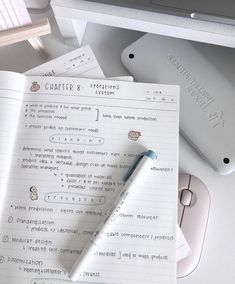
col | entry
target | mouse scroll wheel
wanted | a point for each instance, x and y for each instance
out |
(186, 197)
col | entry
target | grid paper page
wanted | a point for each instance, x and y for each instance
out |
(13, 13)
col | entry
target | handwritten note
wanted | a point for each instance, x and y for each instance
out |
(80, 62)
(64, 65)
(76, 139)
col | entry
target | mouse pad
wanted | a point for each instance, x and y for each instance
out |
(207, 104)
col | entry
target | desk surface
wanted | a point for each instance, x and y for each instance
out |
(217, 264)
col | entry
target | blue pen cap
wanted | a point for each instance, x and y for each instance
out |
(150, 154)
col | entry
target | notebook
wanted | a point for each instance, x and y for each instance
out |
(67, 144)
(82, 62)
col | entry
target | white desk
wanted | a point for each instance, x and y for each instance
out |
(217, 263)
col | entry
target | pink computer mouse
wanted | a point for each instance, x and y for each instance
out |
(193, 212)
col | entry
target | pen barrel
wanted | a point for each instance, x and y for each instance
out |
(135, 181)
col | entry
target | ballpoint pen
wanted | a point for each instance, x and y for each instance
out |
(134, 179)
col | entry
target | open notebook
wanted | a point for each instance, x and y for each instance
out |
(66, 144)
(82, 62)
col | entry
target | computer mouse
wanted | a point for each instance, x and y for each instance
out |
(193, 212)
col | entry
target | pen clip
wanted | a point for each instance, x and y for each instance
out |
(151, 154)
